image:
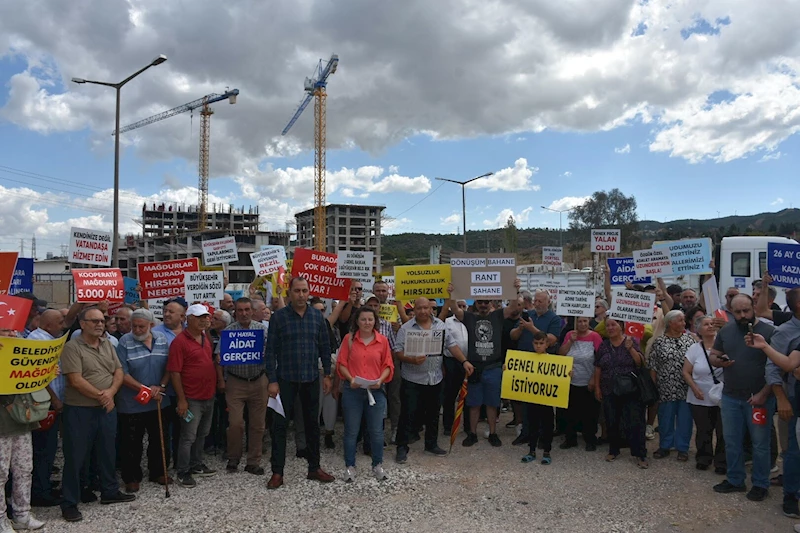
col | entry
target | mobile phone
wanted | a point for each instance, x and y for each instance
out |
(750, 328)
(189, 416)
(724, 357)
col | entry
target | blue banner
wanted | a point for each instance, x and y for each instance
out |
(131, 296)
(689, 256)
(235, 294)
(22, 281)
(622, 271)
(783, 264)
(241, 347)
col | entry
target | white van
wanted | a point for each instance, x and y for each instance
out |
(742, 260)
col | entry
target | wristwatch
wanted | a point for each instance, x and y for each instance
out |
(162, 385)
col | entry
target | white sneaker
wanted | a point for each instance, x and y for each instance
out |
(774, 469)
(377, 470)
(518, 430)
(649, 432)
(30, 523)
(486, 434)
(350, 474)
(5, 526)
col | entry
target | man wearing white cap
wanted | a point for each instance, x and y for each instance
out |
(194, 377)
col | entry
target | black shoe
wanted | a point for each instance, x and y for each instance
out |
(726, 487)
(301, 454)
(87, 496)
(790, 507)
(329, 442)
(435, 451)
(721, 470)
(591, 447)
(414, 437)
(660, 453)
(757, 494)
(119, 497)
(567, 444)
(71, 514)
(203, 471)
(402, 455)
(601, 441)
(701, 466)
(232, 468)
(186, 480)
(471, 439)
(47, 501)
(494, 440)
(254, 469)
(520, 440)
(512, 424)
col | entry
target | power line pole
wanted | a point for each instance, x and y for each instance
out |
(22, 247)
(33, 247)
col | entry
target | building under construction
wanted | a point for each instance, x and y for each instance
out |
(169, 231)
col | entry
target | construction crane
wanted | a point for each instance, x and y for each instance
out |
(205, 141)
(315, 87)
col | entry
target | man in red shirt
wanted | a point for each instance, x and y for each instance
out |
(192, 372)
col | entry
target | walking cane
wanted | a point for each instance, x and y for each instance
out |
(163, 449)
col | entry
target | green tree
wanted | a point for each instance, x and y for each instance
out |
(610, 209)
(510, 236)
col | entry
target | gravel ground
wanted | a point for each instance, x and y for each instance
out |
(477, 489)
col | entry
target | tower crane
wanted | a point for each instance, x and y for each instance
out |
(205, 140)
(315, 87)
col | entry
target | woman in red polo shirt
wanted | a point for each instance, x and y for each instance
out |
(364, 355)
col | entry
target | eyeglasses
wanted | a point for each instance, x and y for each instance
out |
(95, 321)
(357, 288)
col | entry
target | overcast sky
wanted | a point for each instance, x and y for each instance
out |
(691, 108)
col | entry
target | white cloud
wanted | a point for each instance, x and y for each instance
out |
(350, 193)
(394, 225)
(455, 218)
(567, 202)
(516, 178)
(778, 201)
(770, 156)
(502, 218)
(623, 150)
(566, 174)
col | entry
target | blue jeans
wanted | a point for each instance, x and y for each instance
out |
(737, 417)
(86, 428)
(791, 457)
(355, 403)
(675, 425)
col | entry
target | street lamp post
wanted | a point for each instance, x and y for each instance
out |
(464, 201)
(560, 212)
(117, 86)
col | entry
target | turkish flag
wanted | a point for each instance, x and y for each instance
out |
(281, 276)
(8, 262)
(144, 396)
(720, 313)
(48, 421)
(634, 329)
(210, 308)
(14, 312)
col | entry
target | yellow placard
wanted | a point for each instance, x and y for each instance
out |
(389, 313)
(28, 365)
(429, 281)
(272, 277)
(537, 378)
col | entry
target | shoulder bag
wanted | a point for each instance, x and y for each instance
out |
(715, 392)
(648, 391)
(29, 408)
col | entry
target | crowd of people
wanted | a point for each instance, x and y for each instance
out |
(125, 375)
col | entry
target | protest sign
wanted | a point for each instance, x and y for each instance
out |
(551, 285)
(711, 297)
(241, 347)
(131, 296)
(90, 247)
(22, 280)
(537, 378)
(271, 281)
(28, 365)
(654, 263)
(8, 262)
(429, 281)
(319, 269)
(219, 251)
(606, 241)
(622, 270)
(268, 260)
(98, 284)
(424, 342)
(783, 264)
(633, 306)
(575, 302)
(482, 276)
(389, 313)
(553, 256)
(689, 256)
(353, 264)
(390, 282)
(157, 307)
(165, 279)
(204, 286)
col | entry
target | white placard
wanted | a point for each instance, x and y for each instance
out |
(656, 262)
(204, 286)
(218, 251)
(270, 259)
(552, 286)
(390, 282)
(553, 256)
(605, 241)
(424, 342)
(575, 302)
(633, 306)
(353, 264)
(711, 296)
(157, 307)
(90, 247)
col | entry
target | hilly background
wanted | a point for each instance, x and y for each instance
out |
(413, 248)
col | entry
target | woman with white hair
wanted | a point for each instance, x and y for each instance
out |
(666, 367)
